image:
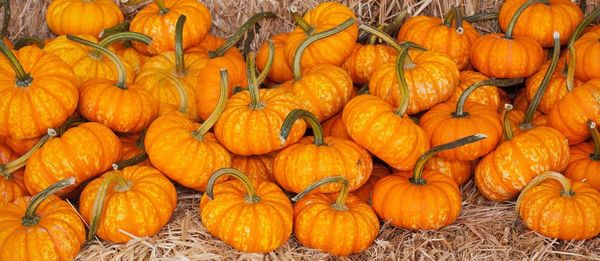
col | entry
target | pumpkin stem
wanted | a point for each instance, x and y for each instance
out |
(571, 68)
(24, 41)
(183, 97)
(481, 17)
(455, 14)
(212, 119)
(231, 41)
(402, 85)
(130, 162)
(7, 169)
(119, 28)
(108, 178)
(417, 178)
(271, 56)
(162, 9)
(23, 78)
(313, 38)
(253, 82)
(392, 28)
(70, 122)
(459, 113)
(340, 202)
(303, 24)
(251, 196)
(122, 75)
(515, 18)
(565, 182)
(31, 218)
(179, 57)
(378, 33)
(506, 126)
(589, 18)
(596, 139)
(532, 108)
(307, 116)
(364, 89)
(6, 18)
(125, 36)
(373, 37)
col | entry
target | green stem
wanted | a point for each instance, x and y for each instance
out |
(23, 78)
(375, 32)
(532, 108)
(6, 18)
(589, 18)
(455, 14)
(183, 97)
(564, 182)
(364, 89)
(24, 41)
(7, 169)
(130, 162)
(392, 28)
(401, 61)
(313, 38)
(271, 56)
(340, 202)
(481, 17)
(303, 24)
(179, 57)
(125, 36)
(596, 140)
(251, 197)
(307, 116)
(70, 122)
(231, 41)
(119, 28)
(31, 218)
(417, 177)
(506, 126)
(373, 37)
(122, 74)
(571, 68)
(515, 18)
(109, 178)
(162, 9)
(493, 82)
(253, 85)
(212, 119)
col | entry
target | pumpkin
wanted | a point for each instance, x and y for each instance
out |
(557, 207)
(211, 44)
(556, 89)
(184, 150)
(138, 199)
(334, 127)
(42, 227)
(20, 147)
(586, 47)
(172, 74)
(365, 59)
(484, 95)
(132, 151)
(132, 57)
(424, 199)
(459, 171)
(242, 214)
(365, 191)
(38, 90)
(331, 50)
(82, 152)
(451, 36)
(82, 16)
(520, 101)
(122, 108)
(280, 71)
(507, 55)
(250, 122)
(447, 122)
(314, 158)
(584, 163)
(387, 133)
(339, 224)
(158, 21)
(257, 168)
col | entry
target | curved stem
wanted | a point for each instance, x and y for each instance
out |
(303, 24)
(162, 9)
(231, 41)
(125, 36)
(7, 169)
(183, 97)
(589, 18)
(6, 18)
(532, 108)
(271, 56)
(515, 18)
(595, 139)
(493, 82)
(31, 218)
(340, 202)
(109, 178)
(23, 78)
(455, 14)
(70, 122)
(251, 196)
(506, 126)
(313, 38)
(375, 32)
(253, 85)
(24, 41)
(564, 182)
(212, 119)
(119, 28)
(122, 75)
(481, 17)
(307, 116)
(373, 37)
(179, 57)
(417, 177)
(402, 85)
(130, 162)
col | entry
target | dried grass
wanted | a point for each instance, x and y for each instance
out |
(485, 230)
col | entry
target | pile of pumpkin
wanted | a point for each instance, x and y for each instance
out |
(111, 113)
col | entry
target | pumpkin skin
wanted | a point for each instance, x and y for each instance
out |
(160, 26)
(334, 127)
(572, 112)
(432, 80)
(82, 152)
(212, 43)
(257, 168)
(499, 57)
(57, 236)
(583, 165)
(82, 16)
(365, 59)
(142, 208)
(365, 191)
(332, 50)
(520, 101)
(556, 89)
(587, 47)
(28, 112)
(131, 147)
(280, 71)
(13, 188)
(485, 95)
(502, 174)
(372, 124)
(459, 171)
(132, 57)
(433, 34)
(540, 20)
(20, 147)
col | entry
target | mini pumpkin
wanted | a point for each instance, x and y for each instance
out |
(584, 163)
(82, 16)
(257, 168)
(334, 127)
(211, 44)
(485, 95)
(365, 59)
(280, 71)
(459, 171)
(556, 89)
(366, 190)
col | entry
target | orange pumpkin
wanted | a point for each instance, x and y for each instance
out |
(257, 168)
(211, 44)
(424, 199)
(132, 57)
(584, 163)
(334, 127)
(557, 207)
(314, 158)
(484, 95)
(38, 90)
(280, 71)
(366, 190)
(520, 101)
(21, 147)
(556, 89)
(158, 21)
(339, 224)
(82, 16)
(11, 178)
(132, 149)
(459, 171)
(42, 227)
(586, 47)
(248, 209)
(184, 150)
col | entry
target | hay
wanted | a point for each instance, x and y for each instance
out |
(485, 230)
